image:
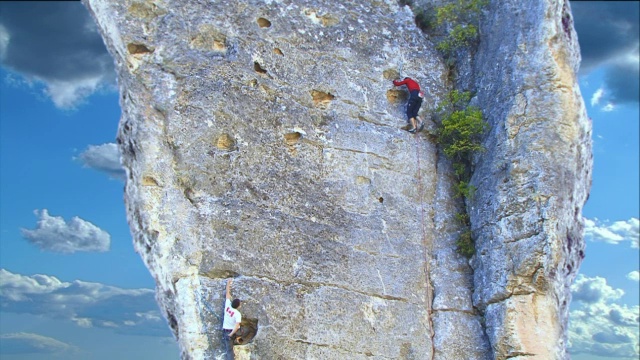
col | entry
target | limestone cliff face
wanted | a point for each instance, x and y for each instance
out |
(261, 140)
(534, 178)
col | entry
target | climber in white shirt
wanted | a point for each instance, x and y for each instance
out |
(231, 322)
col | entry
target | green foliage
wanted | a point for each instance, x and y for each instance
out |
(447, 14)
(460, 36)
(459, 134)
(461, 171)
(459, 20)
(460, 130)
(460, 11)
(455, 100)
(465, 189)
(463, 219)
(465, 244)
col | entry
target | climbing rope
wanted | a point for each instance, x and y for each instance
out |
(203, 301)
(208, 307)
(426, 250)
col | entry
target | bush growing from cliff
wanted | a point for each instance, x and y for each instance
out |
(465, 244)
(458, 20)
(460, 130)
(460, 36)
(460, 134)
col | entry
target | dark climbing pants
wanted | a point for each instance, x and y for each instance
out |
(413, 105)
(228, 345)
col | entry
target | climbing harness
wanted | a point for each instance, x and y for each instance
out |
(427, 251)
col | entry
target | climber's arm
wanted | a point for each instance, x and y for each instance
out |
(235, 328)
(229, 289)
(399, 83)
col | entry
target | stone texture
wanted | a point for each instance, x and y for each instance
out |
(533, 179)
(261, 141)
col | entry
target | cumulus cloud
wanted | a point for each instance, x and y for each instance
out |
(634, 276)
(55, 43)
(608, 36)
(105, 158)
(53, 233)
(618, 232)
(28, 343)
(597, 96)
(609, 107)
(595, 99)
(594, 290)
(600, 326)
(126, 311)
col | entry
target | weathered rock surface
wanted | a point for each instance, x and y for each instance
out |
(533, 179)
(261, 141)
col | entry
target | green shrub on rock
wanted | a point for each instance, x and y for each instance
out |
(465, 244)
(460, 134)
(458, 20)
(460, 130)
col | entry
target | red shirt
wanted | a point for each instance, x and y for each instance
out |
(411, 84)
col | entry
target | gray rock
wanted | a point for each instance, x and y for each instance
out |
(261, 141)
(533, 179)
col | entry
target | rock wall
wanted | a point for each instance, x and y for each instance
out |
(261, 141)
(533, 179)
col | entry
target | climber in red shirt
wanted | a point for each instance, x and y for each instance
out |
(413, 104)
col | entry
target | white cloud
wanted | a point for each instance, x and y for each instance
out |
(67, 94)
(55, 44)
(619, 231)
(598, 325)
(599, 95)
(28, 343)
(595, 99)
(634, 276)
(594, 290)
(54, 234)
(127, 311)
(105, 158)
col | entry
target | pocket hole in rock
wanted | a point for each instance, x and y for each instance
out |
(246, 333)
(264, 23)
(221, 274)
(292, 138)
(321, 98)
(149, 181)
(396, 96)
(226, 143)
(258, 68)
(278, 51)
(137, 49)
(391, 74)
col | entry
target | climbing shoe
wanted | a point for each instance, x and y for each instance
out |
(421, 126)
(412, 130)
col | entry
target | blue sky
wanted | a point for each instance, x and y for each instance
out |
(71, 286)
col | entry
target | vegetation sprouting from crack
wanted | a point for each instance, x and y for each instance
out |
(454, 26)
(459, 134)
